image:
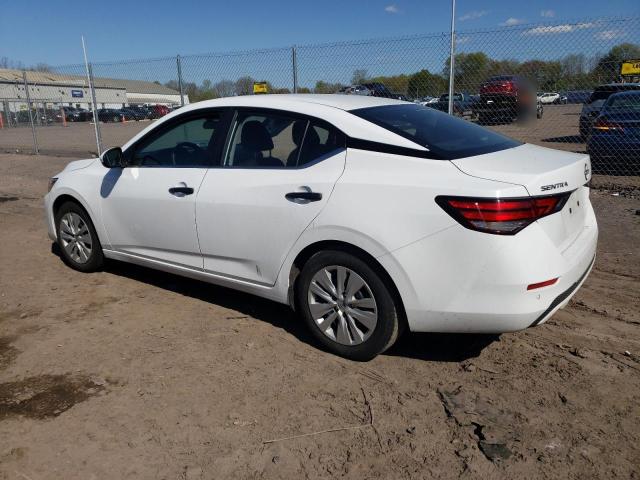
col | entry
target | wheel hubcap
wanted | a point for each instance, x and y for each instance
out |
(75, 237)
(342, 305)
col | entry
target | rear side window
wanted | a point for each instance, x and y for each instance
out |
(274, 140)
(445, 136)
(319, 142)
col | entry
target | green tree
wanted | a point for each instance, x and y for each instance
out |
(608, 68)
(425, 83)
(325, 87)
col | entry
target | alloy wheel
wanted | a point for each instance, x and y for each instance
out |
(342, 305)
(76, 237)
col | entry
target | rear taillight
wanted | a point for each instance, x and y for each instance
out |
(501, 216)
(607, 125)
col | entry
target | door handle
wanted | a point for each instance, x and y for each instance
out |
(303, 197)
(180, 191)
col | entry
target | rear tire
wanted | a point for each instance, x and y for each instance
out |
(79, 245)
(347, 306)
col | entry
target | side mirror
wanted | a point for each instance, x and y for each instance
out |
(113, 158)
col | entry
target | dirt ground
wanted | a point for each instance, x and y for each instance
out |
(135, 374)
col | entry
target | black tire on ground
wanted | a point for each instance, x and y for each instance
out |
(96, 257)
(387, 328)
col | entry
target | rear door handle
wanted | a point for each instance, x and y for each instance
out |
(303, 197)
(180, 191)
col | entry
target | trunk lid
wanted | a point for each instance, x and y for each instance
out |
(542, 171)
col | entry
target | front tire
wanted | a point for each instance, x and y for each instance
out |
(79, 244)
(347, 306)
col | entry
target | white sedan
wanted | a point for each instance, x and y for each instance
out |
(366, 215)
(549, 98)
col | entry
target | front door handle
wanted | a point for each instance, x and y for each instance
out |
(303, 197)
(180, 191)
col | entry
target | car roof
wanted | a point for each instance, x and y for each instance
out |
(332, 108)
(343, 102)
(626, 93)
(617, 85)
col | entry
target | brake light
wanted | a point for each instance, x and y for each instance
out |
(501, 216)
(607, 125)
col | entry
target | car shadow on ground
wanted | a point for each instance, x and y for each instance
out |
(565, 139)
(435, 347)
(441, 347)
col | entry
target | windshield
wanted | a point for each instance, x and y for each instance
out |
(445, 136)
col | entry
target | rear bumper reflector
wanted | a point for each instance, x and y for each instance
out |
(546, 283)
(563, 296)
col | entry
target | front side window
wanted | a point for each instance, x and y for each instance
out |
(273, 140)
(445, 136)
(186, 144)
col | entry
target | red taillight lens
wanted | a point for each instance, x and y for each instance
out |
(501, 216)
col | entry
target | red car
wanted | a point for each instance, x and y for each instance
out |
(158, 111)
(506, 97)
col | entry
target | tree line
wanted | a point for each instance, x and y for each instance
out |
(572, 72)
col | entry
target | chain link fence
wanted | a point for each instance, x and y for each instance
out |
(548, 84)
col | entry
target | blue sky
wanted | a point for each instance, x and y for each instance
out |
(33, 31)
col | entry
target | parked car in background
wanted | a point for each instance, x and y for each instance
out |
(158, 111)
(130, 113)
(425, 100)
(614, 139)
(600, 94)
(71, 114)
(506, 98)
(109, 115)
(355, 90)
(548, 98)
(364, 214)
(141, 111)
(378, 89)
(577, 96)
(462, 104)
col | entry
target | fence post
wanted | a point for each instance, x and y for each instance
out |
(92, 91)
(179, 65)
(33, 127)
(294, 64)
(94, 107)
(452, 55)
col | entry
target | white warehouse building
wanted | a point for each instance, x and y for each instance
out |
(55, 90)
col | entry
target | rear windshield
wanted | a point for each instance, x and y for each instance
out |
(605, 92)
(445, 136)
(626, 102)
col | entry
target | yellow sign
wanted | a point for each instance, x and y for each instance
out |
(629, 67)
(260, 87)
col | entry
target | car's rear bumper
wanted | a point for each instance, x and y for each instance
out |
(482, 287)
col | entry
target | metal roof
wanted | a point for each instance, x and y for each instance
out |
(50, 78)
